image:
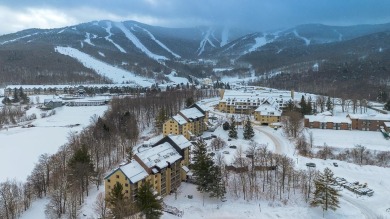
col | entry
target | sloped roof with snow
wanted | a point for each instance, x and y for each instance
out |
(180, 141)
(179, 119)
(382, 117)
(159, 156)
(325, 119)
(192, 113)
(133, 171)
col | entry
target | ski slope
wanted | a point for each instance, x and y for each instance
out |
(158, 42)
(138, 43)
(116, 74)
(108, 30)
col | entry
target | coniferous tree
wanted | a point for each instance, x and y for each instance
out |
(303, 105)
(201, 167)
(226, 126)
(232, 128)
(248, 130)
(386, 107)
(329, 105)
(325, 195)
(217, 187)
(81, 169)
(189, 101)
(120, 206)
(148, 203)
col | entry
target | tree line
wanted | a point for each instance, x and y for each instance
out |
(66, 176)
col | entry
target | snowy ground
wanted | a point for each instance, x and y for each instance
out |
(25, 145)
(349, 139)
(352, 206)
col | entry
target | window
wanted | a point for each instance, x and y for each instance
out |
(126, 185)
(127, 191)
(117, 176)
(108, 180)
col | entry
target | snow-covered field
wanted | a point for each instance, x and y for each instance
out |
(349, 139)
(22, 147)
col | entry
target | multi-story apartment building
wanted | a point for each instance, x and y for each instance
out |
(268, 112)
(189, 122)
(240, 102)
(164, 166)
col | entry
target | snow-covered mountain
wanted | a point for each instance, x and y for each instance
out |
(145, 50)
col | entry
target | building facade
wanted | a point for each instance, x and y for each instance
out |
(268, 112)
(164, 166)
(189, 122)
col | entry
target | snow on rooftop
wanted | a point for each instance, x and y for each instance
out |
(134, 171)
(159, 156)
(179, 119)
(192, 113)
(382, 117)
(267, 109)
(325, 119)
(180, 140)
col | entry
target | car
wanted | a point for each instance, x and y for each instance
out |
(212, 154)
(213, 136)
(229, 139)
(335, 164)
(233, 146)
(310, 164)
(226, 152)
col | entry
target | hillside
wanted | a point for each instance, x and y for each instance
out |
(349, 57)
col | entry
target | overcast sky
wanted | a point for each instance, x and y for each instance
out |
(259, 15)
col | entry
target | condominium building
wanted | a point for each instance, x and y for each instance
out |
(164, 166)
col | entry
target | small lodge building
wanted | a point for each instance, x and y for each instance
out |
(324, 121)
(366, 122)
(52, 103)
(164, 166)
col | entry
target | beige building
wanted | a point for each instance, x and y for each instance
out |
(189, 122)
(164, 166)
(268, 112)
(246, 102)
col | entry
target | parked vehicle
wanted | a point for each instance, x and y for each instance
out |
(335, 164)
(233, 146)
(226, 152)
(310, 164)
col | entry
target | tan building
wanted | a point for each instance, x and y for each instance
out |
(241, 102)
(189, 122)
(268, 112)
(164, 166)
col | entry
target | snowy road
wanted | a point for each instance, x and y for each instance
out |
(366, 211)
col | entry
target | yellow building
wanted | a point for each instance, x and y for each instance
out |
(189, 122)
(246, 102)
(164, 166)
(268, 112)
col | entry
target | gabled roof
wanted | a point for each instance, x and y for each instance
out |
(180, 141)
(179, 119)
(133, 171)
(160, 156)
(191, 113)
